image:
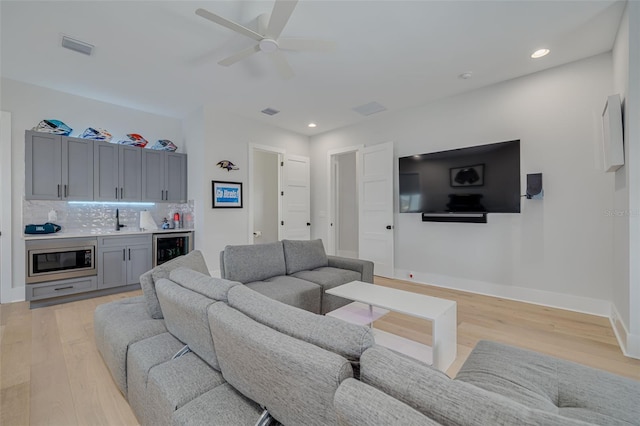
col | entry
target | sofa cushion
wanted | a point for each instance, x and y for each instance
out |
(222, 405)
(185, 315)
(192, 260)
(174, 383)
(449, 402)
(213, 288)
(291, 291)
(302, 255)
(552, 384)
(249, 263)
(142, 357)
(345, 339)
(327, 278)
(295, 380)
(119, 324)
(358, 404)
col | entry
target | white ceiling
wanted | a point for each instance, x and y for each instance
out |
(158, 56)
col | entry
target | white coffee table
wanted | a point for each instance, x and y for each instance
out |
(373, 301)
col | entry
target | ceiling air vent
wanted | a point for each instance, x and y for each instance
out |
(370, 108)
(77, 45)
(270, 111)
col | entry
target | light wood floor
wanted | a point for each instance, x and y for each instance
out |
(51, 372)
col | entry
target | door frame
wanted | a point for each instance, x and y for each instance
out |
(281, 154)
(8, 293)
(331, 194)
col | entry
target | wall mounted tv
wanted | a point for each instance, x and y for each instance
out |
(462, 184)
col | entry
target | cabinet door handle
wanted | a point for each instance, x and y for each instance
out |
(166, 195)
(124, 254)
(63, 288)
(129, 254)
(121, 193)
(58, 190)
(66, 191)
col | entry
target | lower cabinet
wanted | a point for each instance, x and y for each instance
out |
(59, 288)
(122, 259)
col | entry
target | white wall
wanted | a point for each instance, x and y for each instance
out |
(265, 193)
(227, 137)
(29, 104)
(558, 250)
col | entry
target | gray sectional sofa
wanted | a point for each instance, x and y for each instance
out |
(294, 272)
(223, 351)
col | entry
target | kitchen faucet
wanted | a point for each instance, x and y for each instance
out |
(118, 226)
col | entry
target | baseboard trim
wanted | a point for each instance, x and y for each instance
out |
(551, 299)
(629, 343)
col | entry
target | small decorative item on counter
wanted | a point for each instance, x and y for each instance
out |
(47, 228)
(96, 134)
(56, 127)
(226, 164)
(164, 145)
(176, 221)
(134, 139)
(165, 224)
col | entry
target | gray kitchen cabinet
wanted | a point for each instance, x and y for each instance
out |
(58, 167)
(164, 176)
(117, 172)
(122, 259)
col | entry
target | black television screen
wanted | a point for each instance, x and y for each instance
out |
(478, 179)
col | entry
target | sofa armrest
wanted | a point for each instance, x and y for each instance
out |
(222, 264)
(364, 267)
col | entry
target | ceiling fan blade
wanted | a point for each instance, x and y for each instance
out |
(280, 15)
(239, 56)
(306, 44)
(229, 24)
(282, 65)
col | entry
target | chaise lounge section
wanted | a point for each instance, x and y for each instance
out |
(294, 272)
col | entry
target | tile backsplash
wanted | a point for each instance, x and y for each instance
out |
(96, 218)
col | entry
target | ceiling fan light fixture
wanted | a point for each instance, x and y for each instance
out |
(268, 45)
(540, 53)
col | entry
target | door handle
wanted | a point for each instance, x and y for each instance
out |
(121, 193)
(66, 191)
(63, 288)
(308, 223)
(124, 254)
(129, 254)
(389, 226)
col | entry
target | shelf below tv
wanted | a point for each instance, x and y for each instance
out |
(466, 217)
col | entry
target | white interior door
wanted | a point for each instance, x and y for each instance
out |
(296, 198)
(376, 207)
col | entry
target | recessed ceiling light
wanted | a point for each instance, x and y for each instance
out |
(466, 75)
(312, 125)
(540, 53)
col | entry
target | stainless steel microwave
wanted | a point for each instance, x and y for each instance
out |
(59, 259)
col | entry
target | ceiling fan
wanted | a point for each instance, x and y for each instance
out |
(268, 37)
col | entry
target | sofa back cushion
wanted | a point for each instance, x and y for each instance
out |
(193, 260)
(447, 401)
(294, 380)
(185, 316)
(304, 255)
(347, 340)
(257, 262)
(211, 287)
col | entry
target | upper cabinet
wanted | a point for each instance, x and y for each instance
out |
(74, 169)
(58, 167)
(164, 176)
(117, 172)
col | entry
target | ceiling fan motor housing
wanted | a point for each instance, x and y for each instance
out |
(268, 45)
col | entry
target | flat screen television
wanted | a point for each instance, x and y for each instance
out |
(479, 179)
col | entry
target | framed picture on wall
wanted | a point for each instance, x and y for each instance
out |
(226, 194)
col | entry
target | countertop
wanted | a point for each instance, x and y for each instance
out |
(77, 233)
